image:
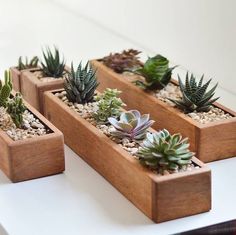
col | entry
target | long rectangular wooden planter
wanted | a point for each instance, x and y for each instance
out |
(212, 141)
(161, 198)
(32, 88)
(34, 157)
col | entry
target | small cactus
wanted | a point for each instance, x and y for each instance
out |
(16, 108)
(5, 90)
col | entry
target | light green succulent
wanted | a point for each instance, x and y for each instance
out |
(162, 151)
(109, 105)
(5, 89)
(131, 125)
(15, 108)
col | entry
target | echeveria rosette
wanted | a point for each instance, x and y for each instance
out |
(162, 151)
(131, 124)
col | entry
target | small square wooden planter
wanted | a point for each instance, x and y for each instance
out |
(32, 88)
(212, 141)
(16, 77)
(34, 157)
(161, 198)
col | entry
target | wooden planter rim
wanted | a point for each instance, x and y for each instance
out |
(168, 107)
(124, 153)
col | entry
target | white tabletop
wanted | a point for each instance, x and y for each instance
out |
(80, 201)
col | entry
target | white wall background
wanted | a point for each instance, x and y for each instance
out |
(199, 35)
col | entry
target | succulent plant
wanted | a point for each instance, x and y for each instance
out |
(15, 108)
(119, 62)
(195, 96)
(162, 151)
(80, 84)
(131, 125)
(156, 72)
(33, 63)
(109, 105)
(53, 65)
(5, 89)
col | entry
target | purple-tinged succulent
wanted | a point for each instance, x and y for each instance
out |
(131, 124)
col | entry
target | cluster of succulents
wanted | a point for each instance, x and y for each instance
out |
(53, 65)
(155, 71)
(195, 96)
(162, 151)
(14, 106)
(109, 105)
(28, 64)
(80, 84)
(131, 124)
(120, 62)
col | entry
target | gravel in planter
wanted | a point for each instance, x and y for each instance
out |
(32, 127)
(86, 111)
(172, 91)
(42, 78)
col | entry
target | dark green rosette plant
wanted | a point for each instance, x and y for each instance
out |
(80, 84)
(195, 96)
(53, 65)
(156, 73)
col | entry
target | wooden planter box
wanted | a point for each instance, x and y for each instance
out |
(34, 157)
(16, 77)
(32, 88)
(212, 141)
(161, 198)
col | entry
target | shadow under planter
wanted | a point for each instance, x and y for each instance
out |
(32, 88)
(212, 141)
(161, 198)
(34, 157)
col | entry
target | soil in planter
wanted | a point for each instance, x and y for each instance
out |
(42, 78)
(86, 111)
(172, 91)
(31, 127)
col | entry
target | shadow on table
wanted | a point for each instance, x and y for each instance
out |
(3, 231)
(117, 208)
(225, 228)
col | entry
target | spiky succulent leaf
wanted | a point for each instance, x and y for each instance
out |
(80, 84)
(163, 151)
(131, 124)
(109, 105)
(195, 96)
(53, 65)
(119, 62)
(15, 108)
(27, 65)
(156, 72)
